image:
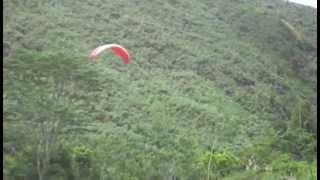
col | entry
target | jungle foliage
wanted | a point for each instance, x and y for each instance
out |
(218, 89)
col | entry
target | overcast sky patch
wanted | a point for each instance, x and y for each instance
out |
(312, 3)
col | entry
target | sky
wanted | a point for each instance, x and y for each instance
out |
(312, 3)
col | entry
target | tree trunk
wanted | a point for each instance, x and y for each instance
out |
(39, 168)
(209, 163)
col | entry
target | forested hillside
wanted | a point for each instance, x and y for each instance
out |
(223, 89)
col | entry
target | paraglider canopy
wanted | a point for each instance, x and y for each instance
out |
(116, 48)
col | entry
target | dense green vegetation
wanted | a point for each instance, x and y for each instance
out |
(216, 90)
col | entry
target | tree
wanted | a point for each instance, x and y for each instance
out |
(49, 89)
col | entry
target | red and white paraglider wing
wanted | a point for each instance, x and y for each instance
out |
(117, 49)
